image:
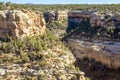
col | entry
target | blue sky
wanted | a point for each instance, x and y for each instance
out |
(65, 1)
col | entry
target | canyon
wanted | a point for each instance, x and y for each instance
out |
(92, 37)
(94, 40)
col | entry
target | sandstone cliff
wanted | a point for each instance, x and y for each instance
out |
(21, 23)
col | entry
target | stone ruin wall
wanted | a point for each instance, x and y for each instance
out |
(56, 16)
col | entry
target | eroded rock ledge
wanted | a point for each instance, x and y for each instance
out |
(21, 23)
(101, 52)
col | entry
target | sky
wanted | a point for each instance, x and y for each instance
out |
(64, 1)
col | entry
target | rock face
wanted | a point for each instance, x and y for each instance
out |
(95, 18)
(61, 15)
(56, 16)
(49, 16)
(106, 52)
(21, 24)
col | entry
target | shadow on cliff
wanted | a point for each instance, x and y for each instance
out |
(83, 28)
(96, 70)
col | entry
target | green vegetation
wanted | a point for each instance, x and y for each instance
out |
(77, 69)
(8, 4)
(58, 25)
(42, 7)
(1, 5)
(106, 7)
(58, 28)
(30, 48)
(87, 78)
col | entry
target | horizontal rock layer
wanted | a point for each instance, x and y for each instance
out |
(83, 49)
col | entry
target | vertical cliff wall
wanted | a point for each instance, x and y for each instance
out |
(21, 23)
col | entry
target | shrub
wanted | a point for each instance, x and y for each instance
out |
(87, 78)
(7, 47)
(58, 25)
(25, 59)
(77, 69)
(30, 48)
